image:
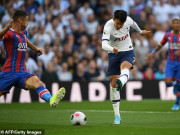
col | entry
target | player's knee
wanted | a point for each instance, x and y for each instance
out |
(126, 65)
(37, 82)
(169, 82)
(113, 83)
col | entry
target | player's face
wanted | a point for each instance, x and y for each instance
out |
(176, 25)
(24, 23)
(118, 24)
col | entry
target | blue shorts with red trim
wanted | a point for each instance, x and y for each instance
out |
(10, 79)
(115, 61)
(172, 70)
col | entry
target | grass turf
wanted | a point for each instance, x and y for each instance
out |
(147, 117)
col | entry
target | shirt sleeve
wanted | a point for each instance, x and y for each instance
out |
(164, 40)
(105, 39)
(106, 32)
(134, 25)
(8, 35)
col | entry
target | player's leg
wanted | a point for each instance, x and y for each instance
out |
(126, 63)
(113, 72)
(169, 83)
(115, 98)
(177, 88)
(1, 94)
(125, 68)
(169, 79)
(34, 83)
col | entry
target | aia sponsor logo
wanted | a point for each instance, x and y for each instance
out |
(121, 38)
(22, 46)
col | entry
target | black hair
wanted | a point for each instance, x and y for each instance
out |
(18, 14)
(121, 15)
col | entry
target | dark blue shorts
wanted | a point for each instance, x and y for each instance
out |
(172, 70)
(10, 79)
(115, 61)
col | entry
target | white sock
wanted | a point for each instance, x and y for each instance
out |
(115, 98)
(124, 76)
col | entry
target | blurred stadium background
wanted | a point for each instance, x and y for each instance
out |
(70, 32)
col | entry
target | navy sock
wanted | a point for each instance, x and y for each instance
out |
(169, 84)
(177, 100)
(177, 89)
(43, 93)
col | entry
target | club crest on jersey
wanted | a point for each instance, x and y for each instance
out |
(22, 46)
(122, 38)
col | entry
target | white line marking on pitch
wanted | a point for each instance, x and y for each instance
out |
(107, 111)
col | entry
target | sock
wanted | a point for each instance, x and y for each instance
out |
(177, 89)
(169, 84)
(43, 93)
(177, 100)
(115, 98)
(124, 76)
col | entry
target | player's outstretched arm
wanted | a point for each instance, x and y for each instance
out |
(3, 31)
(145, 32)
(150, 55)
(33, 47)
(136, 27)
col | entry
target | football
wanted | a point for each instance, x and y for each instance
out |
(78, 118)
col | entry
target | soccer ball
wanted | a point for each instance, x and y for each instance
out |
(78, 118)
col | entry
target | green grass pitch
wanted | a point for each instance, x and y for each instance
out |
(147, 117)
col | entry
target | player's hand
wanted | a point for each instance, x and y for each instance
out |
(39, 51)
(9, 25)
(149, 56)
(115, 50)
(176, 53)
(145, 32)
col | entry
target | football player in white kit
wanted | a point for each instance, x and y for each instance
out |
(117, 42)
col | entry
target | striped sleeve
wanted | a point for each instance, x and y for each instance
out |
(164, 40)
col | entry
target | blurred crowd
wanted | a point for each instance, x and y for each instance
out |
(70, 33)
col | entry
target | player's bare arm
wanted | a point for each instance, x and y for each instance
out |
(149, 56)
(3, 31)
(145, 32)
(33, 47)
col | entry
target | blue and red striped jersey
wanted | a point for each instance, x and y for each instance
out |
(15, 45)
(174, 45)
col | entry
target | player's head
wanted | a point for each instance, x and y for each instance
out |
(119, 18)
(21, 17)
(176, 24)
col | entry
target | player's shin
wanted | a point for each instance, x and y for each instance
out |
(124, 76)
(177, 86)
(115, 98)
(43, 93)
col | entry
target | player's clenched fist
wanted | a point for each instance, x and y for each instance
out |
(115, 50)
(39, 51)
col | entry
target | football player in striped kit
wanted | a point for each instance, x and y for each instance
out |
(14, 71)
(172, 70)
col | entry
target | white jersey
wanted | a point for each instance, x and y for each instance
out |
(118, 38)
